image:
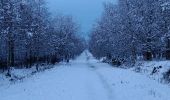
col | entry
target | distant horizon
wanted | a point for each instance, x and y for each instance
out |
(84, 13)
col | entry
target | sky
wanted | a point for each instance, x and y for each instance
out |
(85, 12)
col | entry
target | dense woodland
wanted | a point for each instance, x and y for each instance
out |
(30, 35)
(128, 31)
(132, 30)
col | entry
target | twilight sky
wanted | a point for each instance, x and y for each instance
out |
(85, 12)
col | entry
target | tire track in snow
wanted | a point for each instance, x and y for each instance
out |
(102, 79)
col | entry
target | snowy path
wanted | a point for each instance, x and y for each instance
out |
(86, 79)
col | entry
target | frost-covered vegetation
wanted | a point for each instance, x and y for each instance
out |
(30, 35)
(39, 52)
(84, 78)
(156, 70)
(132, 30)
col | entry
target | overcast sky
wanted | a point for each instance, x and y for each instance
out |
(85, 12)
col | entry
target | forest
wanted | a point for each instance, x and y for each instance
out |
(132, 30)
(47, 55)
(30, 35)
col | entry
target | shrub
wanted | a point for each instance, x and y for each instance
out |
(166, 76)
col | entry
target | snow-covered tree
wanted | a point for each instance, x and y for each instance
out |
(30, 35)
(131, 28)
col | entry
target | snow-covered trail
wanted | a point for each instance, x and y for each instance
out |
(86, 79)
(74, 81)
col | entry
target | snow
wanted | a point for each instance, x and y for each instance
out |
(133, 86)
(86, 79)
(146, 68)
(30, 34)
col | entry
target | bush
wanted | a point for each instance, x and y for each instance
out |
(117, 62)
(138, 69)
(166, 76)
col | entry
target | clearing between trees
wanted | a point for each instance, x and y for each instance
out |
(85, 79)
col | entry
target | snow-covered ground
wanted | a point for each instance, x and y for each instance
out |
(147, 67)
(86, 79)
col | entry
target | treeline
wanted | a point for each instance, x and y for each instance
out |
(30, 35)
(132, 30)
